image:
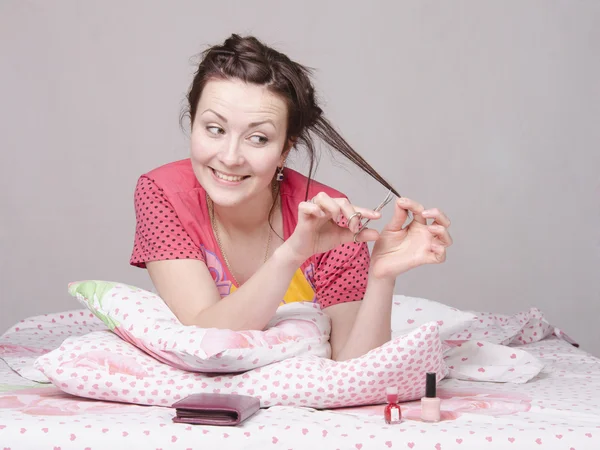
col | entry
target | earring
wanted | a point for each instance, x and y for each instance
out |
(279, 176)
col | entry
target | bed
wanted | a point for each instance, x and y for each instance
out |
(558, 409)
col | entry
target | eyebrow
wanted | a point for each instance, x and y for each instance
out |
(250, 125)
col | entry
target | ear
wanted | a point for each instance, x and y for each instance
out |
(286, 150)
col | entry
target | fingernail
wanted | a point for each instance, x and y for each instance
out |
(402, 200)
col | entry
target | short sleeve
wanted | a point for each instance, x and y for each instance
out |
(341, 274)
(159, 234)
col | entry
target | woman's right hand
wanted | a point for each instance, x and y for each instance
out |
(324, 224)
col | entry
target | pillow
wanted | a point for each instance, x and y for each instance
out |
(143, 319)
(409, 313)
(518, 329)
(102, 366)
(485, 361)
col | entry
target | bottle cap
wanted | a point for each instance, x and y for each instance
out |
(430, 385)
(391, 390)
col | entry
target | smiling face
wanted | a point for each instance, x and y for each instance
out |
(237, 141)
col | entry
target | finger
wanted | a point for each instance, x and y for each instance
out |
(364, 235)
(367, 213)
(439, 253)
(350, 211)
(311, 209)
(327, 204)
(336, 207)
(441, 233)
(416, 208)
(438, 217)
(398, 219)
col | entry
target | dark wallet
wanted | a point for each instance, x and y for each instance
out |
(215, 409)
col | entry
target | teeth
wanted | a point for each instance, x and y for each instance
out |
(227, 177)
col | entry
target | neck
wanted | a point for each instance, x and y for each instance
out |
(248, 217)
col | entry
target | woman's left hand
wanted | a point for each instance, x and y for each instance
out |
(398, 250)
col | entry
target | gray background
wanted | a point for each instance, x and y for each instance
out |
(487, 110)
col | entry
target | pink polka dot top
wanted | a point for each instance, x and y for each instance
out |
(172, 222)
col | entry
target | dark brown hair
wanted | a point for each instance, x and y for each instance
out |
(249, 60)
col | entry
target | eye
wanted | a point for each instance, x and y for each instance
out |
(215, 130)
(258, 139)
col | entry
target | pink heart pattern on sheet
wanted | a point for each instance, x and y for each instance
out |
(34, 336)
(560, 409)
(100, 365)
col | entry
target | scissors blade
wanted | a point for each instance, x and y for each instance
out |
(388, 198)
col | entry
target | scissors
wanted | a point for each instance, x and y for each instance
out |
(388, 198)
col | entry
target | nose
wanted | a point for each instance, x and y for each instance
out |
(231, 154)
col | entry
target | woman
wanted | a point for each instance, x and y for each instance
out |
(231, 233)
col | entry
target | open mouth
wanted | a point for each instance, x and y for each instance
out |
(227, 177)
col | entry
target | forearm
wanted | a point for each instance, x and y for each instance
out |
(255, 302)
(372, 326)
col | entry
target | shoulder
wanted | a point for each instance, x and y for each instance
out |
(295, 186)
(173, 178)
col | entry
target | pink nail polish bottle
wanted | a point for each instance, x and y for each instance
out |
(430, 404)
(392, 411)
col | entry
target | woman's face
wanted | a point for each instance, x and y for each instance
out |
(237, 141)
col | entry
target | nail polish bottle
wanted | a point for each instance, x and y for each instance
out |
(430, 404)
(392, 412)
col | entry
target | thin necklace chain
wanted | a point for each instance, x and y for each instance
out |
(213, 223)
